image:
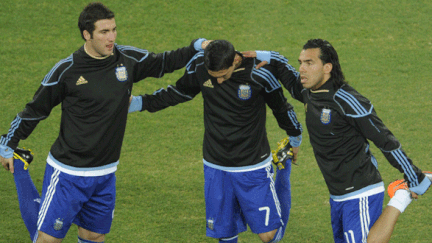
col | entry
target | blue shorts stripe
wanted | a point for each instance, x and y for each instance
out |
(364, 216)
(50, 193)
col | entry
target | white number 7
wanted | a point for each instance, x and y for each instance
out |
(267, 209)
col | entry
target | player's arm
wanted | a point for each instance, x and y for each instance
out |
(186, 88)
(48, 95)
(288, 75)
(361, 114)
(157, 64)
(284, 113)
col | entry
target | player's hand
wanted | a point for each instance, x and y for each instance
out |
(253, 54)
(205, 44)
(284, 153)
(7, 164)
(295, 151)
(414, 195)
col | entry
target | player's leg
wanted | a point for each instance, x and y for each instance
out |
(224, 217)
(62, 198)
(283, 190)
(400, 196)
(28, 196)
(96, 216)
(359, 215)
(256, 193)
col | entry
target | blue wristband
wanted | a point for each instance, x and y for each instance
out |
(136, 104)
(198, 44)
(422, 187)
(263, 56)
(295, 141)
(6, 152)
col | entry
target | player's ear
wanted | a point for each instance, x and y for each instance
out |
(86, 35)
(328, 67)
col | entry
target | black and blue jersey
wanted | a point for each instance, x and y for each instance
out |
(340, 121)
(94, 96)
(234, 111)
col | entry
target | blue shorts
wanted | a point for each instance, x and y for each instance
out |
(352, 219)
(85, 201)
(235, 199)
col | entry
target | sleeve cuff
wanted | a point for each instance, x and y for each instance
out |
(263, 56)
(136, 104)
(422, 187)
(6, 152)
(295, 141)
(198, 44)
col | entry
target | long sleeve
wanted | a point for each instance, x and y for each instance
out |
(49, 95)
(283, 112)
(288, 75)
(186, 88)
(155, 65)
(360, 113)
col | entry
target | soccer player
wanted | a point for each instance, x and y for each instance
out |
(340, 122)
(93, 85)
(239, 186)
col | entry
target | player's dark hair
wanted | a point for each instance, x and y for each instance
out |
(219, 55)
(93, 12)
(328, 55)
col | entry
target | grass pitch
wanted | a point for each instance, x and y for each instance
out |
(384, 48)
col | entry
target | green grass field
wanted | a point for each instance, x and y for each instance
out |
(385, 51)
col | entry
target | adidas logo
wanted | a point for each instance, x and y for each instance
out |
(208, 83)
(81, 80)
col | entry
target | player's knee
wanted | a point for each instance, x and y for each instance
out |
(45, 238)
(89, 236)
(268, 236)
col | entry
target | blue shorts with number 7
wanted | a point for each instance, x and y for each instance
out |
(236, 198)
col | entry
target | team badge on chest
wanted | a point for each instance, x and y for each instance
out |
(244, 92)
(325, 116)
(121, 73)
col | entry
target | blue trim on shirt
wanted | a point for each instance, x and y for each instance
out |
(68, 167)
(6, 152)
(250, 167)
(52, 71)
(406, 166)
(136, 104)
(351, 194)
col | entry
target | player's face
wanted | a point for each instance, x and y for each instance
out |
(104, 36)
(313, 73)
(222, 75)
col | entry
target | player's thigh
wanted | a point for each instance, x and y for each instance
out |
(61, 200)
(96, 215)
(359, 215)
(223, 214)
(256, 193)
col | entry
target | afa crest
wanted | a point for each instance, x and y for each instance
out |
(58, 225)
(325, 116)
(244, 92)
(121, 73)
(210, 224)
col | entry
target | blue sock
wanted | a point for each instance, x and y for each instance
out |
(80, 240)
(229, 240)
(28, 197)
(283, 190)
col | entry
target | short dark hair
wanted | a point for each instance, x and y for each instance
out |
(219, 55)
(93, 12)
(328, 55)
